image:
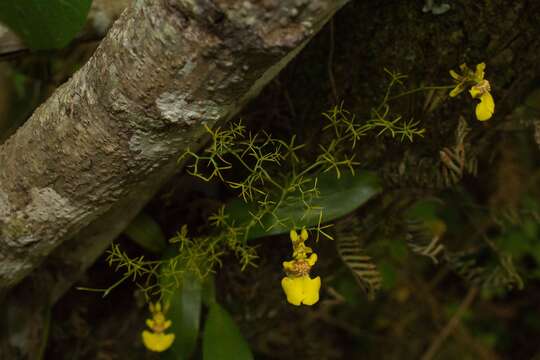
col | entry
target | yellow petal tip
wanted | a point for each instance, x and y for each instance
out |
(157, 342)
(486, 107)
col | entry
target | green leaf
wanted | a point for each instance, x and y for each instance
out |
(222, 339)
(389, 275)
(337, 197)
(47, 314)
(45, 24)
(146, 233)
(424, 209)
(185, 314)
(397, 249)
(209, 291)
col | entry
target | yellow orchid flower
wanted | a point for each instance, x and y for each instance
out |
(298, 286)
(301, 289)
(480, 89)
(486, 107)
(157, 340)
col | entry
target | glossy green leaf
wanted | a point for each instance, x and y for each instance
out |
(185, 314)
(45, 24)
(209, 291)
(222, 339)
(338, 197)
(146, 233)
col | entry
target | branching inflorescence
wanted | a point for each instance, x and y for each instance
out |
(277, 182)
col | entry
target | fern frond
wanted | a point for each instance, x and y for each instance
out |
(364, 270)
(484, 273)
(424, 238)
(457, 160)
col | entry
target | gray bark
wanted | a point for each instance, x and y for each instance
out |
(101, 146)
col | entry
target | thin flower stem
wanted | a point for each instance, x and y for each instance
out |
(423, 88)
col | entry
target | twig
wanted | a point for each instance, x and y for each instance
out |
(451, 326)
(331, 61)
(482, 351)
(462, 333)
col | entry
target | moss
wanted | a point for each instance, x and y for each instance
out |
(15, 228)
